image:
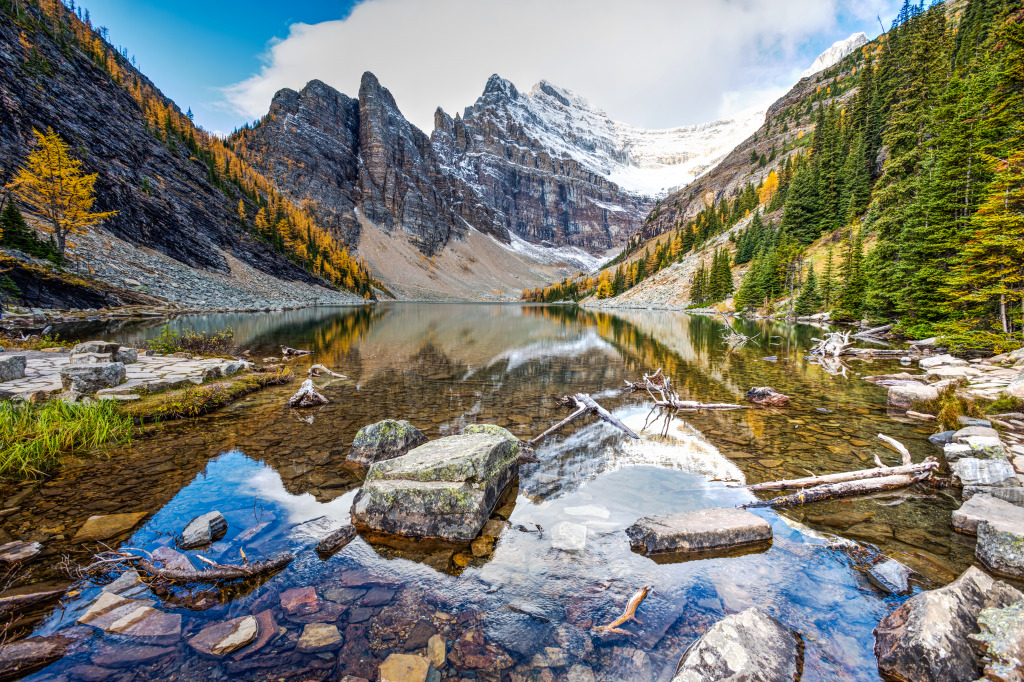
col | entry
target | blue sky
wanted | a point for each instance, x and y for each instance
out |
(658, 63)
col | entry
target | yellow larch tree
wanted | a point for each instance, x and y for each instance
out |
(52, 183)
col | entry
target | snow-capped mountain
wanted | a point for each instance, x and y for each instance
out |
(832, 55)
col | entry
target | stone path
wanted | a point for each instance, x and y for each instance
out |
(153, 372)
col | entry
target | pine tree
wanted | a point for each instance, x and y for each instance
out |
(828, 281)
(16, 234)
(809, 300)
(52, 182)
(800, 216)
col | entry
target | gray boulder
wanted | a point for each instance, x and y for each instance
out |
(12, 367)
(203, 530)
(905, 395)
(963, 434)
(1001, 545)
(1016, 387)
(127, 356)
(954, 451)
(925, 639)
(984, 508)
(86, 379)
(444, 489)
(986, 447)
(702, 530)
(1011, 495)
(98, 347)
(384, 440)
(1000, 642)
(750, 645)
(971, 471)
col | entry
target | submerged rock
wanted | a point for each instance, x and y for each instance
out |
(27, 655)
(1001, 544)
(443, 489)
(569, 537)
(904, 396)
(698, 531)
(14, 552)
(404, 668)
(384, 440)
(766, 395)
(105, 527)
(891, 576)
(318, 637)
(925, 639)
(203, 530)
(221, 639)
(750, 645)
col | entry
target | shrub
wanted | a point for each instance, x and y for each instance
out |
(220, 342)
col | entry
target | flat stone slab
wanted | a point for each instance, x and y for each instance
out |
(445, 489)
(750, 645)
(227, 637)
(963, 434)
(984, 508)
(971, 471)
(318, 637)
(1011, 495)
(105, 527)
(941, 360)
(703, 530)
(569, 537)
(904, 396)
(13, 552)
(404, 668)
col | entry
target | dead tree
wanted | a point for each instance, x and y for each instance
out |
(832, 345)
(220, 573)
(669, 399)
(285, 350)
(584, 404)
(317, 370)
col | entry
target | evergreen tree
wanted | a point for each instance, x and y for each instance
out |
(800, 216)
(828, 281)
(16, 234)
(809, 301)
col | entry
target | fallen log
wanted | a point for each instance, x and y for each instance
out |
(307, 396)
(832, 345)
(898, 447)
(668, 398)
(929, 464)
(832, 491)
(873, 331)
(696, 405)
(317, 370)
(221, 573)
(285, 350)
(584, 399)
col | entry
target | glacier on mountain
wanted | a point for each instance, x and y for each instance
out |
(834, 54)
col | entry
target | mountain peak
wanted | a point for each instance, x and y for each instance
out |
(834, 54)
(496, 85)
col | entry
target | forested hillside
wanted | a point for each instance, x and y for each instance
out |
(906, 195)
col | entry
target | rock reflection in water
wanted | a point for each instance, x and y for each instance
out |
(561, 562)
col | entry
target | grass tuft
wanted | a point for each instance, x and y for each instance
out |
(35, 438)
(194, 401)
(950, 406)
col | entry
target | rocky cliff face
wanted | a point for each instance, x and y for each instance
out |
(163, 197)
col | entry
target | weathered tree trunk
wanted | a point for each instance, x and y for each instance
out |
(873, 331)
(583, 399)
(220, 573)
(335, 541)
(831, 491)
(861, 474)
(307, 396)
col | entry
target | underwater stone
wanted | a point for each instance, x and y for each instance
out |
(227, 637)
(203, 530)
(891, 576)
(750, 645)
(384, 440)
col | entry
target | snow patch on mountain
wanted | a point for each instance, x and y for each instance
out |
(641, 162)
(834, 54)
(576, 258)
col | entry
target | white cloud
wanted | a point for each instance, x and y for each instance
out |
(651, 63)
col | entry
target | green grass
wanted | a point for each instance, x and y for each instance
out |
(35, 438)
(950, 406)
(198, 400)
(220, 342)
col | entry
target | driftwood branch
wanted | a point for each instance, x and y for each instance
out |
(335, 541)
(832, 345)
(307, 396)
(669, 399)
(898, 447)
(585, 404)
(219, 574)
(317, 370)
(285, 350)
(560, 424)
(873, 331)
(627, 615)
(831, 491)
(929, 464)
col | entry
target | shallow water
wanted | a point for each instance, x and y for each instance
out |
(445, 366)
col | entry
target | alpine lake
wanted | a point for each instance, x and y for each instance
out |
(521, 607)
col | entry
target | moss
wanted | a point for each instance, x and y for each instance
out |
(194, 401)
(949, 406)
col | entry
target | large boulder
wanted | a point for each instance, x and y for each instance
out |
(87, 379)
(904, 396)
(1016, 388)
(444, 489)
(1011, 495)
(96, 347)
(925, 639)
(1001, 545)
(384, 440)
(750, 645)
(12, 367)
(703, 530)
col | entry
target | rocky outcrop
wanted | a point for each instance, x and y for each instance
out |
(925, 639)
(750, 645)
(1000, 642)
(1001, 545)
(445, 489)
(162, 193)
(88, 378)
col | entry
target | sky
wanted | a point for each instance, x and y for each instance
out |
(649, 63)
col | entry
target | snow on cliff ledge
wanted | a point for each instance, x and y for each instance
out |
(834, 54)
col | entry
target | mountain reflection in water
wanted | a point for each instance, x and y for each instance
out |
(445, 366)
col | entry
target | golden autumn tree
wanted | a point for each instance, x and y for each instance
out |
(52, 183)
